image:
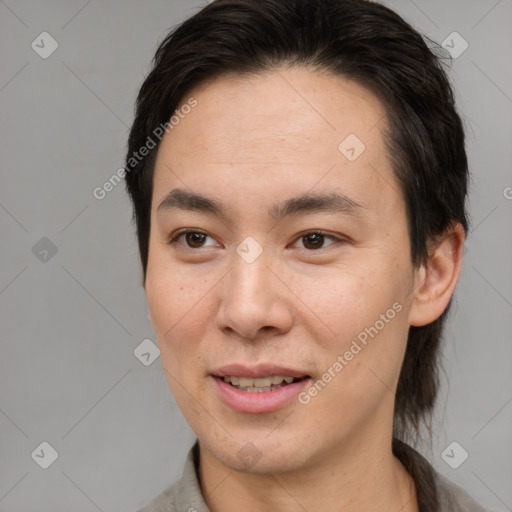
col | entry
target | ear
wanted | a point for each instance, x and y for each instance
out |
(435, 280)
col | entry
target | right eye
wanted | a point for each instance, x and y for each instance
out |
(193, 239)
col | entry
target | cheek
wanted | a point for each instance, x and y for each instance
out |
(175, 304)
(366, 316)
(344, 302)
(178, 318)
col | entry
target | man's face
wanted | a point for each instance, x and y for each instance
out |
(255, 290)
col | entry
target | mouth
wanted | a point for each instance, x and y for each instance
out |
(259, 389)
(261, 384)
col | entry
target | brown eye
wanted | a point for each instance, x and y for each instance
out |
(193, 239)
(314, 240)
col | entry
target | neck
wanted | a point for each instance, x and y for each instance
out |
(355, 476)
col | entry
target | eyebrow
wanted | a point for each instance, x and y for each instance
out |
(295, 206)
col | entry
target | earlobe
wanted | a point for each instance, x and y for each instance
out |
(437, 278)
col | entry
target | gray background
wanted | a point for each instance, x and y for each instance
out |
(70, 321)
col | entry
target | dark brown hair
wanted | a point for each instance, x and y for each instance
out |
(359, 40)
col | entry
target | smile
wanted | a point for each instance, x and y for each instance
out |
(259, 385)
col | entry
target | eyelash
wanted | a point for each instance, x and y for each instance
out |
(173, 240)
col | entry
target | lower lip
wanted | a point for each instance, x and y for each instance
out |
(262, 401)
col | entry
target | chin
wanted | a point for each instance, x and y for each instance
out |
(259, 454)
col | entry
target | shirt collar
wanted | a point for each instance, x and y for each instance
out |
(189, 497)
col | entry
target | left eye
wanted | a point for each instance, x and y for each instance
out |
(314, 239)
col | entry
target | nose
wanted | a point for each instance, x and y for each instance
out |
(255, 299)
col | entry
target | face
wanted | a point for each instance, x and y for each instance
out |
(256, 283)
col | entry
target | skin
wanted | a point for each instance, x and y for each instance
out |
(249, 143)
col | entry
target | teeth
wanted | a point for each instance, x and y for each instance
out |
(262, 382)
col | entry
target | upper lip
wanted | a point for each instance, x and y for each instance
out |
(257, 371)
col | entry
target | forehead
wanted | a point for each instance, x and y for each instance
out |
(284, 130)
